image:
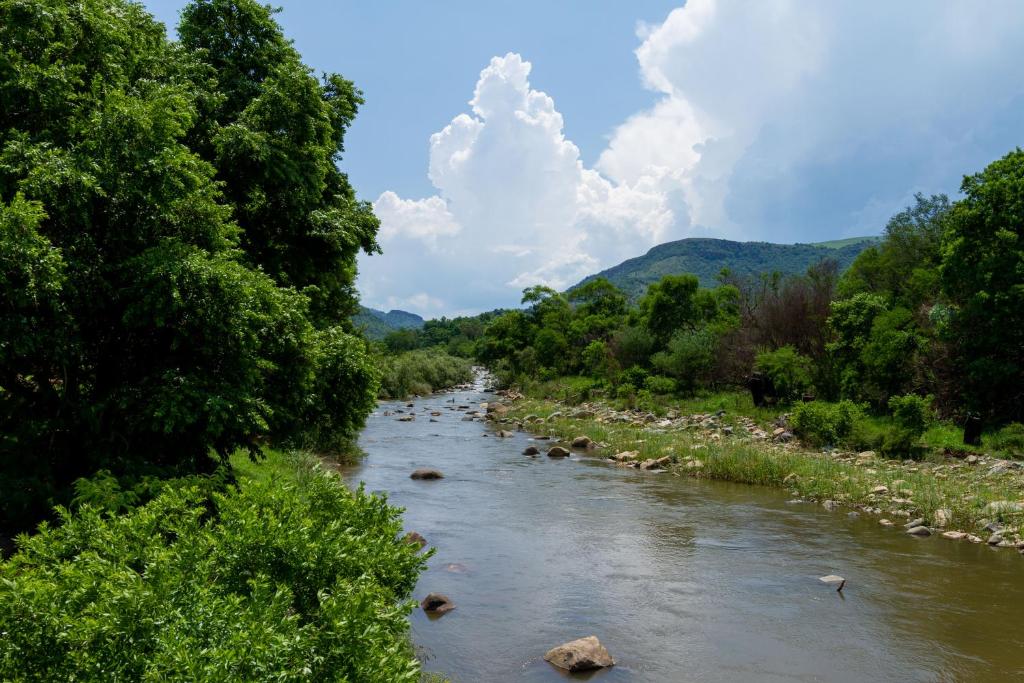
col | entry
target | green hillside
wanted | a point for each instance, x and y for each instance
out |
(705, 258)
(377, 324)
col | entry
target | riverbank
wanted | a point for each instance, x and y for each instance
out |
(975, 499)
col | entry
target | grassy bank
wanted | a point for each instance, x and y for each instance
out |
(949, 493)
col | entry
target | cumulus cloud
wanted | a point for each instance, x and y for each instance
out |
(789, 120)
(514, 207)
(773, 120)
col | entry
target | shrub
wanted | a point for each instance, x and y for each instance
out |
(912, 412)
(421, 372)
(821, 423)
(661, 385)
(1010, 438)
(789, 372)
(689, 359)
(635, 376)
(271, 582)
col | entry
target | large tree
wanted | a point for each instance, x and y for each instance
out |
(177, 246)
(983, 277)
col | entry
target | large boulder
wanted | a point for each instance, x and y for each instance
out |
(582, 442)
(426, 473)
(584, 654)
(436, 603)
(558, 452)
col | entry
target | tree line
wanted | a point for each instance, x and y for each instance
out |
(935, 310)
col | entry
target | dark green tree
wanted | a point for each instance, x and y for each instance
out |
(149, 320)
(983, 277)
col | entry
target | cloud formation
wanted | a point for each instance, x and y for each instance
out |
(805, 120)
(515, 207)
(776, 120)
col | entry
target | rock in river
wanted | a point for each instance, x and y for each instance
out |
(531, 450)
(832, 579)
(558, 452)
(580, 655)
(413, 538)
(582, 442)
(919, 531)
(436, 603)
(426, 473)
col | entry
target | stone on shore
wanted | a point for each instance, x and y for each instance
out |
(426, 473)
(626, 456)
(584, 654)
(558, 452)
(582, 442)
(436, 603)
(954, 535)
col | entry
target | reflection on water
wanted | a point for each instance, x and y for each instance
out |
(681, 580)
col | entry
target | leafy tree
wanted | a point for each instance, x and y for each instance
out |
(275, 136)
(789, 372)
(158, 217)
(904, 267)
(983, 275)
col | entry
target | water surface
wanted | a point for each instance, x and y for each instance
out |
(682, 580)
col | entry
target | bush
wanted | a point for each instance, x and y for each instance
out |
(689, 359)
(788, 371)
(271, 582)
(912, 412)
(822, 423)
(635, 376)
(422, 372)
(1010, 438)
(661, 385)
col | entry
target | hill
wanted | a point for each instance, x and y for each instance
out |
(705, 258)
(377, 324)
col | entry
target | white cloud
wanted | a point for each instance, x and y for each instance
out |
(515, 207)
(791, 120)
(778, 120)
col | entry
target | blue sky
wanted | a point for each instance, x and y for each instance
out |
(510, 144)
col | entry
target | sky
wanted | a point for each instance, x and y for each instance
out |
(507, 144)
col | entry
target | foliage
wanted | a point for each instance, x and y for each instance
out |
(688, 359)
(270, 582)
(422, 372)
(788, 371)
(177, 246)
(1010, 438)
(982, 273)
(911, 416)
(657, 384)
(824, 423)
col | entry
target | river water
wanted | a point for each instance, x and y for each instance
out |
(680, 579)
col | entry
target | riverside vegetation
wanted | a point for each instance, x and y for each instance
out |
(922, 336)
(177, 265)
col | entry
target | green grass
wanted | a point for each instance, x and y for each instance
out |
(813, 475)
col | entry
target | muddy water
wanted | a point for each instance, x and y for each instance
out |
(681, 580)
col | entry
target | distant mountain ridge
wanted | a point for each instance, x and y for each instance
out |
(377, 324)
(706, 257)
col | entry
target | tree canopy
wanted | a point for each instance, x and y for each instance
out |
(177, 245)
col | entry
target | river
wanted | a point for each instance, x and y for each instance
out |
(681, 579)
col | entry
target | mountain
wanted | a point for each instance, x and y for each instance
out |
(705, 258)
(377, 324)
